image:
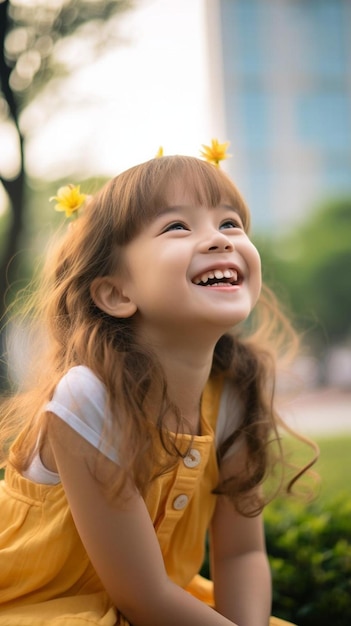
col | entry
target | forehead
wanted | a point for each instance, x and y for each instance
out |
(136, 197)
(186, 190)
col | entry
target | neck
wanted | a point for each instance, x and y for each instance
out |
(187, 368)
(185, 354)
(186, 378)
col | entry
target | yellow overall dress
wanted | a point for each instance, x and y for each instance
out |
(46, 577)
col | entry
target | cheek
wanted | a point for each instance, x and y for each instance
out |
(258, 263)
(255, 271)
(253, 259)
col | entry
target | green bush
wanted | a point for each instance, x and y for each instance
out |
(309, 549)
(310, 555)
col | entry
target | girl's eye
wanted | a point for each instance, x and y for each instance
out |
(232, 223)
(175, 226)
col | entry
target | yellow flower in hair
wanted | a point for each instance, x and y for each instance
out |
(216, 152)
(159, 153)
(69, 199)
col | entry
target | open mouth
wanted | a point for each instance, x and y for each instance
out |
(218, 277)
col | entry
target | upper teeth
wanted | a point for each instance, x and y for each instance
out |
(216, 274)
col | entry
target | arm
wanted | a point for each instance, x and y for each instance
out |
(121, 542)
(240, 569)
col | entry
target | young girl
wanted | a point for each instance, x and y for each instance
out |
(147, 421)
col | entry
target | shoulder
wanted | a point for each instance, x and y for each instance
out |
(229, 416)
(79, 380)
(222, 407)
(80, 399)
(81, 389)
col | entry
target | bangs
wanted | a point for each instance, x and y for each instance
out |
(138, 194)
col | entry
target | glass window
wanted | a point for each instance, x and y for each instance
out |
(242, 29)
(336, 174)
(322, 27)
(251, 108)
(324, 119)
(257, 189)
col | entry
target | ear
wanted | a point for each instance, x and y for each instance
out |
(110, 298)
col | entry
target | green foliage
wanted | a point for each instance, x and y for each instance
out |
(309, 546)
(309, 269)
(310, 557)
(309, 549)
(35, 34)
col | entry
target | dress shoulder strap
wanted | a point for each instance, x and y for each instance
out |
(211, 398)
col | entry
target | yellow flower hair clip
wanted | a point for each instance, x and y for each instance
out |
(216, 152)
(69, 199)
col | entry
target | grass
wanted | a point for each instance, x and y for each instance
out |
(332, 469)
(334, 466)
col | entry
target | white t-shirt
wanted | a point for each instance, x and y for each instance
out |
(80, 400)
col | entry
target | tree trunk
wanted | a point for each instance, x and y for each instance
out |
(15, 191)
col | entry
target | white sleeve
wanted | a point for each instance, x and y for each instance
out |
(229, 418)
(80, 400)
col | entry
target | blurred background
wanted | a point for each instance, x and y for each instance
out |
(91, 87)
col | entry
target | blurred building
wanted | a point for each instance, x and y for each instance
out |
(281, 83)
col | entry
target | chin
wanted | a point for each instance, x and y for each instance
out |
(237, 317)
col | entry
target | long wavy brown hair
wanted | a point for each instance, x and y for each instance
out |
(71, 331)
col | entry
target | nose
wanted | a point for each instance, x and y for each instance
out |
(218, 241)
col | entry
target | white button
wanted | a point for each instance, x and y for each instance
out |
(180, 502)
(193, 459)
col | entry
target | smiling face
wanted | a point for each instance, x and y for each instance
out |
(174, 254)
(192, 269)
